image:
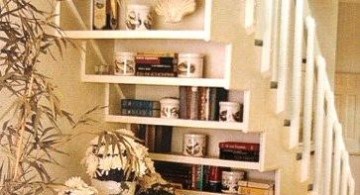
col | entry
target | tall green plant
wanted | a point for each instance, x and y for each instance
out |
(29, 133)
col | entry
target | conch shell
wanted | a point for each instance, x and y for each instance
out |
(174, 10)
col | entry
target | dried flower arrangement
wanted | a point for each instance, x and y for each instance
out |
(115, 159)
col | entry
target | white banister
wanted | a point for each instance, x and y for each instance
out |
(338, 149)
(308, 98)
(297, 74)
(249, 23)
(319, 123)
(344, 173)
(283, 56)
(267, 38)
(275, 44)
(328, 142)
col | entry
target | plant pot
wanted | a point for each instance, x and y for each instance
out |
(112, 187)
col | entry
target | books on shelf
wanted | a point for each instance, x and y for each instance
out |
(143, 108)
(156, 64)
(156, 138)
(201, 103)
(239, 151)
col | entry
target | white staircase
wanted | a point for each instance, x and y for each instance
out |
(292, 59)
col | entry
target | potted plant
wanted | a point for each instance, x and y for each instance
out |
(117, 162)
(30, 135)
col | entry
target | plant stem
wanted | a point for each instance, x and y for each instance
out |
(22, 130)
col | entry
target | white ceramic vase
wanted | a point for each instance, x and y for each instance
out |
(112, 187)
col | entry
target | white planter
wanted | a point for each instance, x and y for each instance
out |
(190, 65)
(124, 63)
(112, 187)
(194, 145)
(138, 17)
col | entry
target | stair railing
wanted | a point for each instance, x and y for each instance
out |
(311, 99)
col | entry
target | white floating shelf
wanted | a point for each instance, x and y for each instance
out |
(178, 122)
(141, 80)
(192, 192)
(150, 34)
(205, 161)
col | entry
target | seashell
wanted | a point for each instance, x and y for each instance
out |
(174, 10)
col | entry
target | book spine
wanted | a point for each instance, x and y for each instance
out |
(193, 103)
(139, 104)
(155, 74)
(239, 146)
(140, 112)
(155, 68)
(203, 103)
(183, 102)
(155, 60)
(163, 137)
(239, 155)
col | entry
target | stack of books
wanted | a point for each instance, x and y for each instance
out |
(201, 103)
(239, 151)
(143, 108)
(156, 64)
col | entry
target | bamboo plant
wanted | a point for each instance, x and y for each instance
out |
(30, 132)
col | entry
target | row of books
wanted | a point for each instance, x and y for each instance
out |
(143, 108)
(201, 103)
(198, 177)
(156, 64)
(239, 151)
(156, 138)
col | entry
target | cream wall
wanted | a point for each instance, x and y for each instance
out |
(348, 49)
(326, 16)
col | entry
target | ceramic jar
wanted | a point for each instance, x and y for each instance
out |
(138, 17)
(190, 65)
(124, 63)
(194, 145)
(169, 108)
(230, 112)
(229, 181)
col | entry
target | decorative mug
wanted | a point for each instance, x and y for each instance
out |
(124, 63)
(169, 108)
(230, 112)
(138, 17)
(229, 181)
(190, 65)
(194, 145)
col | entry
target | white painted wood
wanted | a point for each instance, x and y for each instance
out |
(235, 126)
(57, 12)
(171, 81)
(328, 142)
(283, 56)
(275, 39)
(83, 49)
(297, 75)
(207, 20)
(205, 161)
(344, 174)
(337, 159)
(319, 123)
(125, 34)
(308, 98)
(249, 23)
(267, 36)
(228, 63)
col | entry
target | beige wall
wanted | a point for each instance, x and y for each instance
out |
(348, 50)
(326, 16)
